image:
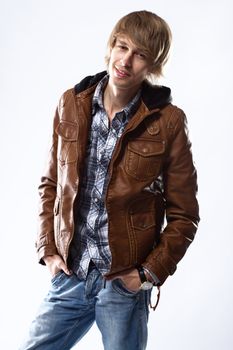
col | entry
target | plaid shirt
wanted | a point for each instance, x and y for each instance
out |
(91, 230)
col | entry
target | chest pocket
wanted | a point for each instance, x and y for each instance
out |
(67, 141)
(144, 159)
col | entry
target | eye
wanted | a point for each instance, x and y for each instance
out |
(122, 47)
(141, 55)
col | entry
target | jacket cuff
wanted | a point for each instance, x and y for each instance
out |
(46, 251)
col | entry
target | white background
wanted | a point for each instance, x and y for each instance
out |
(46, 47)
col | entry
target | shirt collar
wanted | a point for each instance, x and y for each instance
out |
(97, 101)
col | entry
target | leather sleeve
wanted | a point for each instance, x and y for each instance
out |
(45, 243)
(182, 212)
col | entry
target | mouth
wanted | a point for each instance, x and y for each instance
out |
(121, 72)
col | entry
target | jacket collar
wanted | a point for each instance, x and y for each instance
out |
(153, 96)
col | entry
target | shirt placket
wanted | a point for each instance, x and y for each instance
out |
(97, 196)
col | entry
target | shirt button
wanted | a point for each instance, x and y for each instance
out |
(95, 199)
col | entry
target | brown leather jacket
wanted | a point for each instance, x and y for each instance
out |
(151, 173)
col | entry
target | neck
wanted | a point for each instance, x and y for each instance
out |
(115, 100)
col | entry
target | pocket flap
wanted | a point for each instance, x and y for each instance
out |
(147, 149)
(143, 221)
(67, 130)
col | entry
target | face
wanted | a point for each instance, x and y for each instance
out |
(128, 65)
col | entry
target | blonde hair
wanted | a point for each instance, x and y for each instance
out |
(149, 32)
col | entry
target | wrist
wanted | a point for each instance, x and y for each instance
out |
(151, 276)
(145, 283)
(148, 277)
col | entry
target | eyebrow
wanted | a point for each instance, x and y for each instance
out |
(124, 43)
(121, 41)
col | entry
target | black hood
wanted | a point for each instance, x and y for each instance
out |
(154, 96)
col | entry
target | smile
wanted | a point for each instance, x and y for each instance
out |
(121, 73)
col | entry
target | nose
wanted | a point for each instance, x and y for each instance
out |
(126, 60)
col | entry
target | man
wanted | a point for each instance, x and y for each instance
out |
(119, 162)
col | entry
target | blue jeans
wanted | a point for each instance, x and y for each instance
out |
(72, 305)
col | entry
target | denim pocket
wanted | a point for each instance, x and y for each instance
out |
(56, 279)
(119, 287)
